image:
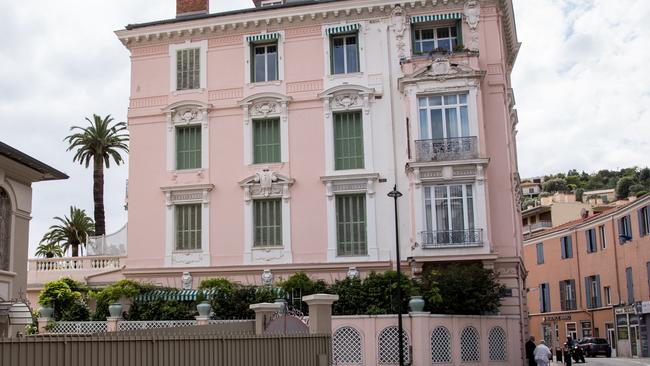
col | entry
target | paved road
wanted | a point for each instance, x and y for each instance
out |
(602, 361)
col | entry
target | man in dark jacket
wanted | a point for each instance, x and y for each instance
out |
(530, 349)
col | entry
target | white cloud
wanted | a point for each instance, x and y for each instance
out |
(582, 85)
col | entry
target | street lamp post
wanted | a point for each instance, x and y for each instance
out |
(395, 194)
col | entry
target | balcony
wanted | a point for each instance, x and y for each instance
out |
(451, 238)
(454, 148)
(43, 270)
(538, 226)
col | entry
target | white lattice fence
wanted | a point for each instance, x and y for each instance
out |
(347, 346)
(140, 325)
(441, 345)
(498, 344)
(389, 346)
(470, 345)
(78, 327)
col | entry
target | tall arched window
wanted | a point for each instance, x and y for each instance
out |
(5, 230)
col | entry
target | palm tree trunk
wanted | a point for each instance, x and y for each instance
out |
(98, 195)
(75, 249)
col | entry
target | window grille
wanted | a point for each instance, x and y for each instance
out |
(351, 225)
(441, 345)
(188, 227)
(497, 344)
(348, 141)
(188, 69)
(266, 141)
(470, 345)
(389, 346)
(347, 346)
(268, 222)
(188, 147)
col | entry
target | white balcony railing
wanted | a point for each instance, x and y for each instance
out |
(539, 225)
(74, 263)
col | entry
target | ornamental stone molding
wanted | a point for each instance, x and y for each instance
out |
(266, 184)
(187, 112)
(441, 70)
(357, 183)
(265, 105)
(472, 12)
(347, 97)
(398, 19)
(199, 193)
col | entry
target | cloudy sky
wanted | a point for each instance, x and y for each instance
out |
(581, 82)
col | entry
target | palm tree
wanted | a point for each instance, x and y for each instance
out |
(49, 250)
(71, 232)
(100, 142)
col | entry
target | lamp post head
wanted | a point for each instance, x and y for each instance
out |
(395, 193)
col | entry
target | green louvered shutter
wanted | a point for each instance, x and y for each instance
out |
(267, 217)
(348, 141)
(266, 141)
(188, 227)
(351, 225)
(188, 147)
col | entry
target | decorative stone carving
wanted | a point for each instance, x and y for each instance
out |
(347, 101)
(268, 255)
(186, 280)
(472, 16)
(345, 184)
(265, 178)
(519, 196)
(267, 277)
(266, 183)
(442, 69)
(352, 273)
(265, 109)
(345, 97)
(186, 112)
(399, 27)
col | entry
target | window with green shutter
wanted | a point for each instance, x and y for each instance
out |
(188, 147)
(348, 140)
(266, 141)
(267, 217)
(351, 225)
(188, 69)
(188, 227)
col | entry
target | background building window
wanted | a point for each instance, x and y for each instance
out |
(592, 291)
(348, 141)
(345, 53)
(624, 229)
(568, 295)
(603, 237)
(544, 298)
(566, 247)
(188, 147)
(630, 285)
(188, 69)
(265, 62)
(540, 253)
(591, 240)
(608, 295)
(429, 38)
(351, 225)
(266, 141)
(5, 230)
(188, 227)
(267, 217)
(644, 221)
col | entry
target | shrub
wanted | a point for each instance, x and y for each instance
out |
(636, 188)
(299, 285)
(555, 185)
(352, 297)
(112, 293)
(159, 309)
(623, 187)
(66, 296)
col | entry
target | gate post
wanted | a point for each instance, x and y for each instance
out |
(320, 312)
(263, 313)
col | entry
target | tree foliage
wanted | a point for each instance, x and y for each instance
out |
(71, 232)
(623, 187)
(555, 185)
(100, 142)
(67, 297)
(49, 250)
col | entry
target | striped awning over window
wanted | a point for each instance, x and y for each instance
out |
(177, 295)
(435, 17)
(263, 37)
(343, 29)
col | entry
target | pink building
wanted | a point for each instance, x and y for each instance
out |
(265, 140)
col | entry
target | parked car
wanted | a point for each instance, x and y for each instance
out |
(595, 346)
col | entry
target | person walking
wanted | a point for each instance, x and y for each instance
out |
(542, 354)
(530, 351)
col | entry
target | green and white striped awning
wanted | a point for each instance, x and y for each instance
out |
(263, 37)
(343, 29)
(177, 295)
(435, 17)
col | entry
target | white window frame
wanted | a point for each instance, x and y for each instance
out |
(267, 184)
(435, 39)
(248, 77)
(345, 37)
(359, 183)
(434, 223)
(187, 113)
(574, 334)
(471, 126)
(181, 195)
(608, 294)
(327, 57)
(173, 56)
(348, 98)
(602, 235)
(264, 106)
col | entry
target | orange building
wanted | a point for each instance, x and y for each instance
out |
(590, 277)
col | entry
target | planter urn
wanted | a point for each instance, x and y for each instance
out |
(203, 308)
(416, 304)
(115, 310)
(46, 312)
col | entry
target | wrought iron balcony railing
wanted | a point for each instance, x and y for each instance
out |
(455, 148)
(451, 238)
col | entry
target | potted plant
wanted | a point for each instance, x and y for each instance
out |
(416, 303)
(203, 306)
(47, 305)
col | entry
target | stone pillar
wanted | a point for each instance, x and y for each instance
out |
(111, 323)
(202, 320)
(320, 312)
(263, 313)
(42, 325)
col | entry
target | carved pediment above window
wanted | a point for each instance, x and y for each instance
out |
(187, 112)
(356, 183)
(265, 105)
(441, 69)
(346, 97)
(199, 193)
(266, 184)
